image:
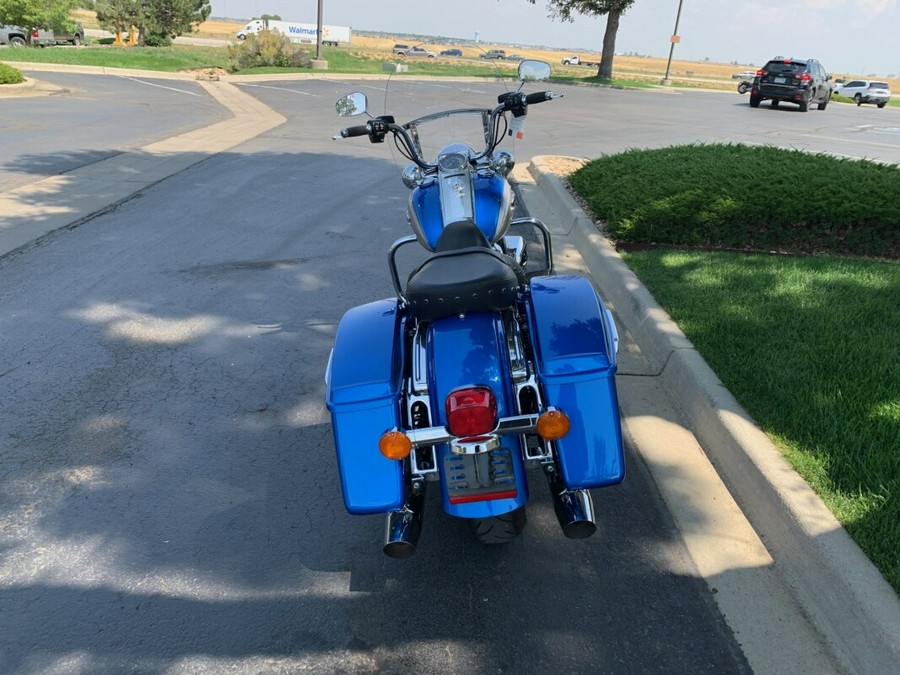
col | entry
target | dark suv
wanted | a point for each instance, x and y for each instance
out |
(800, 81)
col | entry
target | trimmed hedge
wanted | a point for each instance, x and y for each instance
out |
(10, 75)
(746, 197)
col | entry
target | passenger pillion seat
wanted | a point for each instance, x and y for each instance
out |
(464, 274)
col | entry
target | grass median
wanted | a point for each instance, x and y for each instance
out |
(782, 269)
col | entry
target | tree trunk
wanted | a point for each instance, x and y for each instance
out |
(609, 45)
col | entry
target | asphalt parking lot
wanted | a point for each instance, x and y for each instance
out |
(738, 567)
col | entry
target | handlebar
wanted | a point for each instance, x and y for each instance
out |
(540, 97)
(377, 128)
(361, 130)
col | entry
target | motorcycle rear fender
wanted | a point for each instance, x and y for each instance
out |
(363, 387)
(464, 351)
(575, 350)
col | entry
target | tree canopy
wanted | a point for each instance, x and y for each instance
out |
(157, 21)
(32, 14)
(566, 10)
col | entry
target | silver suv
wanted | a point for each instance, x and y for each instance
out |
(866, 91)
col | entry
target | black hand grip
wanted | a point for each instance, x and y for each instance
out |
(361, 130)
(538, 97)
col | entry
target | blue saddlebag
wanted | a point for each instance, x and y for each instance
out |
(576, 365)
(363, 385)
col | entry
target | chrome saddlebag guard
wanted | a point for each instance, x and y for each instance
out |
(363, 386)
(575, 350)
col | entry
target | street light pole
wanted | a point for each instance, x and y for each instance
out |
(319, 32)
(319, 63)
(674, 39)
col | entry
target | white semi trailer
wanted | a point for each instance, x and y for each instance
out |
(299, 32)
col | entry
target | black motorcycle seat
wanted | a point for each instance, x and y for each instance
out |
(461, 234)
(454, 280)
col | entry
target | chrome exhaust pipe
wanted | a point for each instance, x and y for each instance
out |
(403, 527)
(574, 510)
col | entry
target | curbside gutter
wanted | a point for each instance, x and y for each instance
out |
(844, 595)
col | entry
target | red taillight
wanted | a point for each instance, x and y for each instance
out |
(761, 73)
(805, 77)
(471, 411)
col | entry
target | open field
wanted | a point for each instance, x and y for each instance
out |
(651, 70)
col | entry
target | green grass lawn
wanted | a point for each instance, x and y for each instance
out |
(182, 57)
(166, 59)
(807, 343)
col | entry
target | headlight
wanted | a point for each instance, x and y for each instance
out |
(503, 163)
(412, 175)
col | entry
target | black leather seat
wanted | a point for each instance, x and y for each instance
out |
(465, 274)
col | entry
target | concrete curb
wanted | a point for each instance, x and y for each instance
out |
(844, 595)
(21, 89)
(98, 70)
(27, 84)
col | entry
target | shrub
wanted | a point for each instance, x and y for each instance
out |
(745, 197)
(9, 75)
(267, 48)
(157, 40)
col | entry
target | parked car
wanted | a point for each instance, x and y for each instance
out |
(866, 91)
(515, 57)
(452, 52)
(415, 51)
(800, 81)
(494, 54)
(13, 36)
(744, 75)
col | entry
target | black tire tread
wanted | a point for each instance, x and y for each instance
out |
(499, 529)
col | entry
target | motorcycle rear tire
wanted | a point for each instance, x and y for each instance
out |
(499, 529)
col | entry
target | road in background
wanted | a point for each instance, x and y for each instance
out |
(92, 117)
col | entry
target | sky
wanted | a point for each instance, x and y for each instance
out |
(850, 37)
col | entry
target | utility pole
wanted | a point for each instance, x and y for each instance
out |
(675, 39)
(319, 63)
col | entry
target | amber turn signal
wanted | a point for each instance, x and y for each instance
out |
(394, 445)
(553, 425)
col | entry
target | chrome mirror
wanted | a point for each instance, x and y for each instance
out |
(351, 104)
(534, 71)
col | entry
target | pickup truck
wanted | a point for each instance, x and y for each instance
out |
(576, 60)
(414, 51)
(18, 37)
(13, 36)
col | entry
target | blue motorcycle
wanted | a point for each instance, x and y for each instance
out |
(486, 364)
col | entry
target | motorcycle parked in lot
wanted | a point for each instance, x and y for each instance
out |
(485, 364)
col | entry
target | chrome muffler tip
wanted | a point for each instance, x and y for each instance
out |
(574, 510)
(399, 549)
(402, 529)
